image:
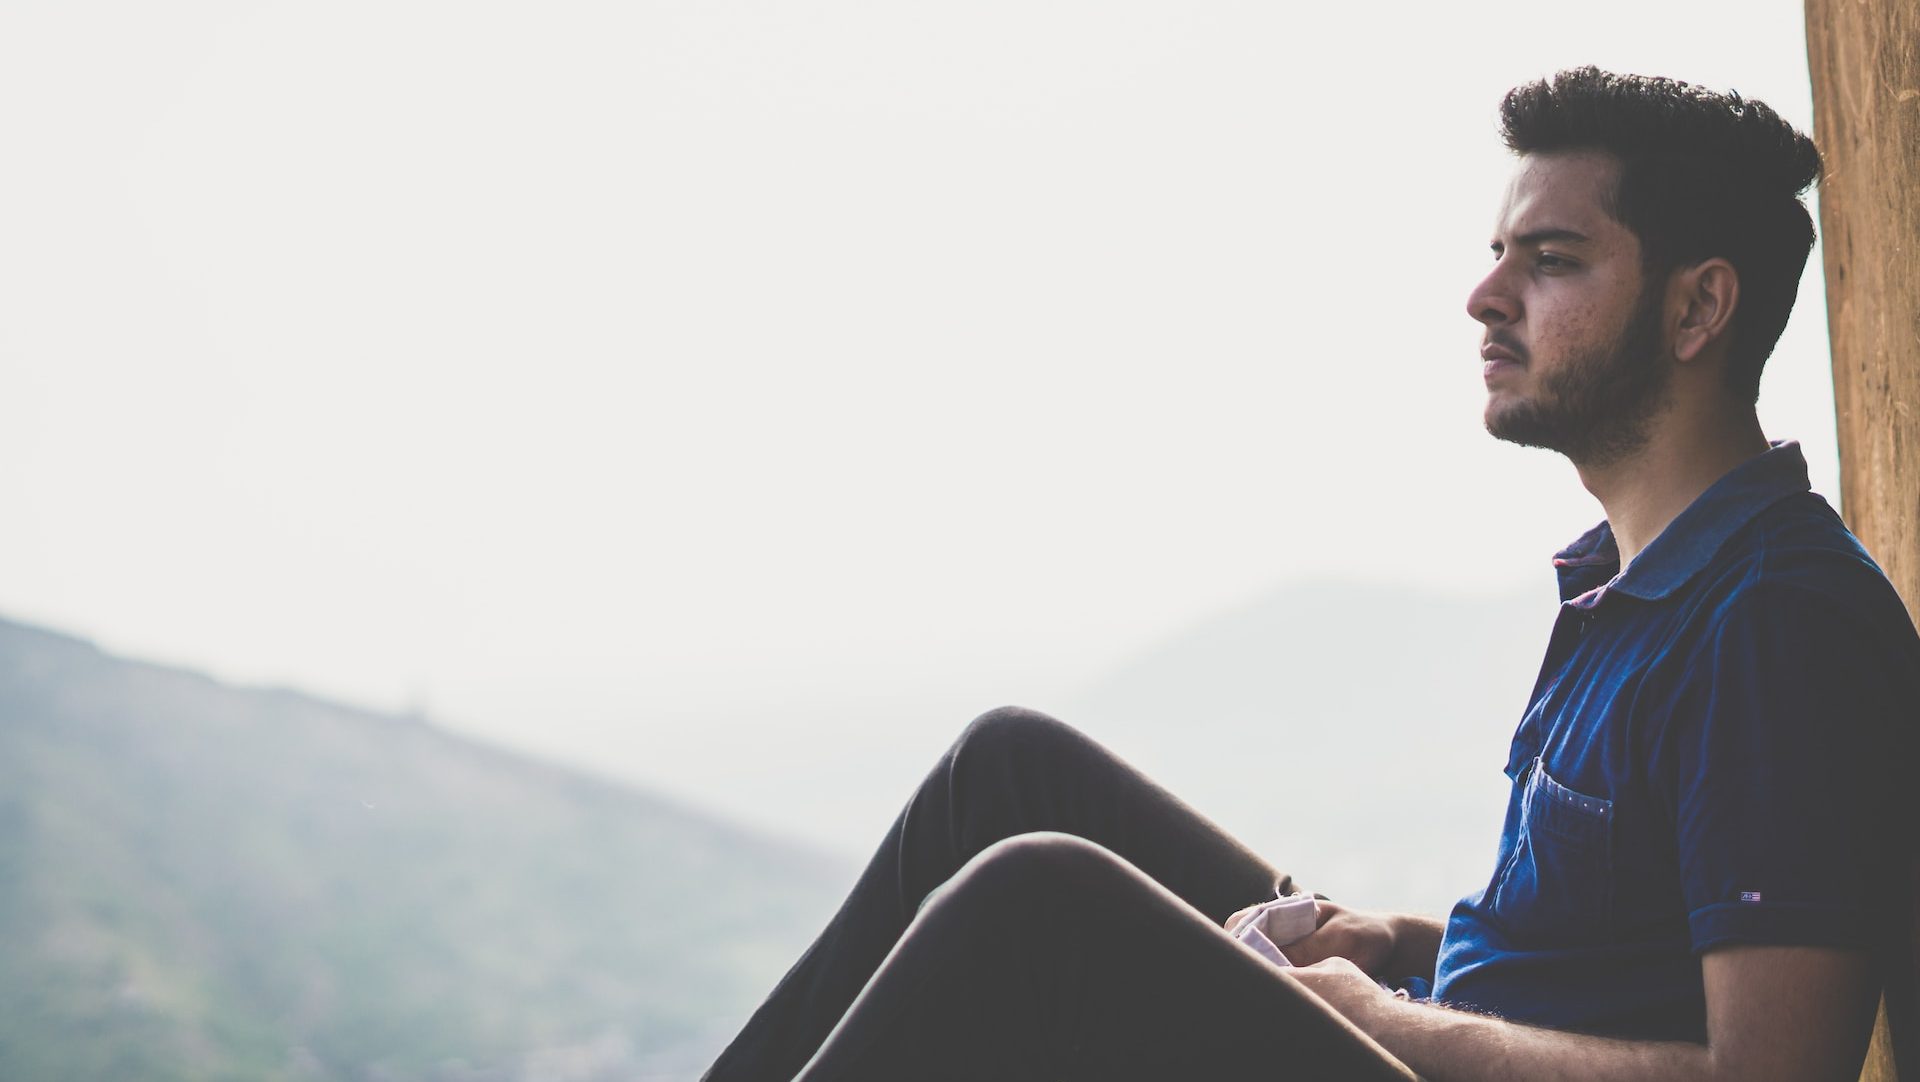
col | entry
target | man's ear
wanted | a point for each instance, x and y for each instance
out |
(1704, 295)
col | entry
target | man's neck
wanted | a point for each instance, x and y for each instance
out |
(1645, 491)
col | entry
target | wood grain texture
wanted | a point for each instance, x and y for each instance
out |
(1865, 61)
(1864, 56)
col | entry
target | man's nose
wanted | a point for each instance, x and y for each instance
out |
(1491, 301)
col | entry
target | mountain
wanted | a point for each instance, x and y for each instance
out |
(206, 882)
(1352, 734)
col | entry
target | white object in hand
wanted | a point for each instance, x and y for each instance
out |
(1272, 925)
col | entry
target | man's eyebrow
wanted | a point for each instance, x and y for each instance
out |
(1543, 236)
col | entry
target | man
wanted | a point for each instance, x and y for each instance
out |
(1703, 851)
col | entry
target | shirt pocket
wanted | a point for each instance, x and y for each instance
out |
(1556, 888)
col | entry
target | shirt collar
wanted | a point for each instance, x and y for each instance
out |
(1590, 567)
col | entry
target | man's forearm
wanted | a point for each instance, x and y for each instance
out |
(1453, 1046)
(1774, 1013)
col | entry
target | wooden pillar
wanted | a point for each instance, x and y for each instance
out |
(1865, 60)
(1864, 56)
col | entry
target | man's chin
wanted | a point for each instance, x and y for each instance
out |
(1498, 421)
(1519, 426)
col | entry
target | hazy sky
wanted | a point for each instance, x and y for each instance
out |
(593, 372)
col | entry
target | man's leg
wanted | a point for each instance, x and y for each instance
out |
(1011, 772)
(1048, 958)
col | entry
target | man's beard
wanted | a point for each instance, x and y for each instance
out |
(1597, 406)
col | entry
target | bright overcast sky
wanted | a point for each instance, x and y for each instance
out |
(579, 368)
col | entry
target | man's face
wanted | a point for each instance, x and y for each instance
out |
(1574, 345)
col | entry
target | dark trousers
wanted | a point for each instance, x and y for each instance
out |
(1041, 910)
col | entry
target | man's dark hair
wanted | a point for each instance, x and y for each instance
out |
(1702, 174)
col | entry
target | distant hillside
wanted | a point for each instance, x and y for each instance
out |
(204, 882)
(1353, 734)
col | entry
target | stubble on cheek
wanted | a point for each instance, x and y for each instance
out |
(1595, 394)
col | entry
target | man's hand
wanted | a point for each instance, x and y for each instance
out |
(1387, 945)
(1365, 939)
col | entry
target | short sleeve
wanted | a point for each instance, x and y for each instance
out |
(1789, 740)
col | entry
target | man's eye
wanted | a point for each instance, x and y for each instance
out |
(1549, 261)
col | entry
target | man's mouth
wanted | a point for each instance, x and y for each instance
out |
(1496, 359)
(1493, 353)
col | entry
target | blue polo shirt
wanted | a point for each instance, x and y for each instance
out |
(1715, 753)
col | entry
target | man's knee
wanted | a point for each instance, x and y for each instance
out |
(1012, 731)
(1048, 866)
